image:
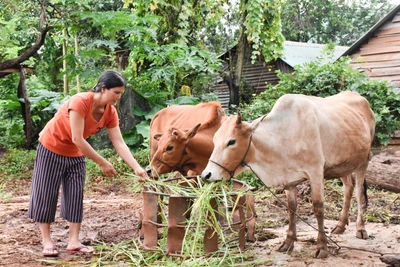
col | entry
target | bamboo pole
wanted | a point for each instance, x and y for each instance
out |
(78, 81)
(64, 46)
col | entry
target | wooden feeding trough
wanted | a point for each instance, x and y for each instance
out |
(237, 218)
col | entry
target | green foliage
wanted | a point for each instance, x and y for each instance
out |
(262, 25)
(163, 70)
(93, 170)
(16, 31)
(11, 123)
(179, 22)
(338, 21)
(251, 179)
(44, 104)
(16, 164)
(324, 80)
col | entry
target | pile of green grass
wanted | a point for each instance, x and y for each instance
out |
(192, 253)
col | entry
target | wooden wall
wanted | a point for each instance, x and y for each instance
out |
(256, 75)
(379, 58)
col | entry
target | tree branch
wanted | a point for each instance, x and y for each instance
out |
(16, 62)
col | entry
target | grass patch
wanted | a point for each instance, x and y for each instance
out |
(16, 164)
(130, 253)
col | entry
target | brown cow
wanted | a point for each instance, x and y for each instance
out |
(302, 138)
(181, 138)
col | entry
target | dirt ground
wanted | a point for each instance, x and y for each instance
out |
(114, 217)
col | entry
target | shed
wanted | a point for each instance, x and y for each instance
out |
(260, 73)
(377, 52)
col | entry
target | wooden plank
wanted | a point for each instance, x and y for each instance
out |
(388, 31)
(375, 45)
(377, 58)
(396, 18)
(380, 50)
(384, 72)
(384, 39)
(395, 83)
(366, 65)
(389, 78)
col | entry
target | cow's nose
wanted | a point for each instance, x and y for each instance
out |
(149, 172)
(207, 176)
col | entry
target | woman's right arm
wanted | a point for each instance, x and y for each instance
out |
(77, 123)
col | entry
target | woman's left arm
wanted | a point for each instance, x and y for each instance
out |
(124, 152)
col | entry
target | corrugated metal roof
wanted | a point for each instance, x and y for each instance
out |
(297, 53)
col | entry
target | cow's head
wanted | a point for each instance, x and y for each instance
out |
(231, 146)
(171, 154)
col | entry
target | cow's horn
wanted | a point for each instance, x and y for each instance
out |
(239, 118)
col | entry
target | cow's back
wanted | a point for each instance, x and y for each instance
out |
(185, 117)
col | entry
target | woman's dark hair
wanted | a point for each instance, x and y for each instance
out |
(109, 79)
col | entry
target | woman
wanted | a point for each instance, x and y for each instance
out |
(60, 158)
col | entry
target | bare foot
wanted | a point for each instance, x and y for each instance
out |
(80, 250)
(50, 252)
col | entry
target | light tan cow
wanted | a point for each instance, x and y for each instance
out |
(181, 138)
(302, 138)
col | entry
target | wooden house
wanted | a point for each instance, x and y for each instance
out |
(260, 73)
(377, 52)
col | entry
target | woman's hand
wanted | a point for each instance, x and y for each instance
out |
(142, 173)
(108, 169)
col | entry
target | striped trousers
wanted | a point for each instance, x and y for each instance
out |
(50, 171)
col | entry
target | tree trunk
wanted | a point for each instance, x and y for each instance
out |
(237, 63)
(64, 49)
(239, 66)
(25, 108)
(78, 81)
(384, 170)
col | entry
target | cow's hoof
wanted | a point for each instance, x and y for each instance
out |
(338, 230)
(321, 254)
(362, 234)
(285, 247)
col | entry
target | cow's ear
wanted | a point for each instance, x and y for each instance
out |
(157, 137)
(175, 133)
(221, 113)
(239, 118)
(255, 126)
(190, 134)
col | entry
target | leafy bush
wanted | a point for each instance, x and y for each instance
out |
(16, 164)
(329, 79)
(44, 104)
(92, 169)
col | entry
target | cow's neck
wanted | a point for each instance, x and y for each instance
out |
(267, 163)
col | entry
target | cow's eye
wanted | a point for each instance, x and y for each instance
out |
(231, 142)
(169, 148)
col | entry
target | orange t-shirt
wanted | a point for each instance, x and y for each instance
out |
(56, 135)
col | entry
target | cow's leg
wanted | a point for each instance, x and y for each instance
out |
(348, 188)
(291, 237)
(317, 196)
(362, 200)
